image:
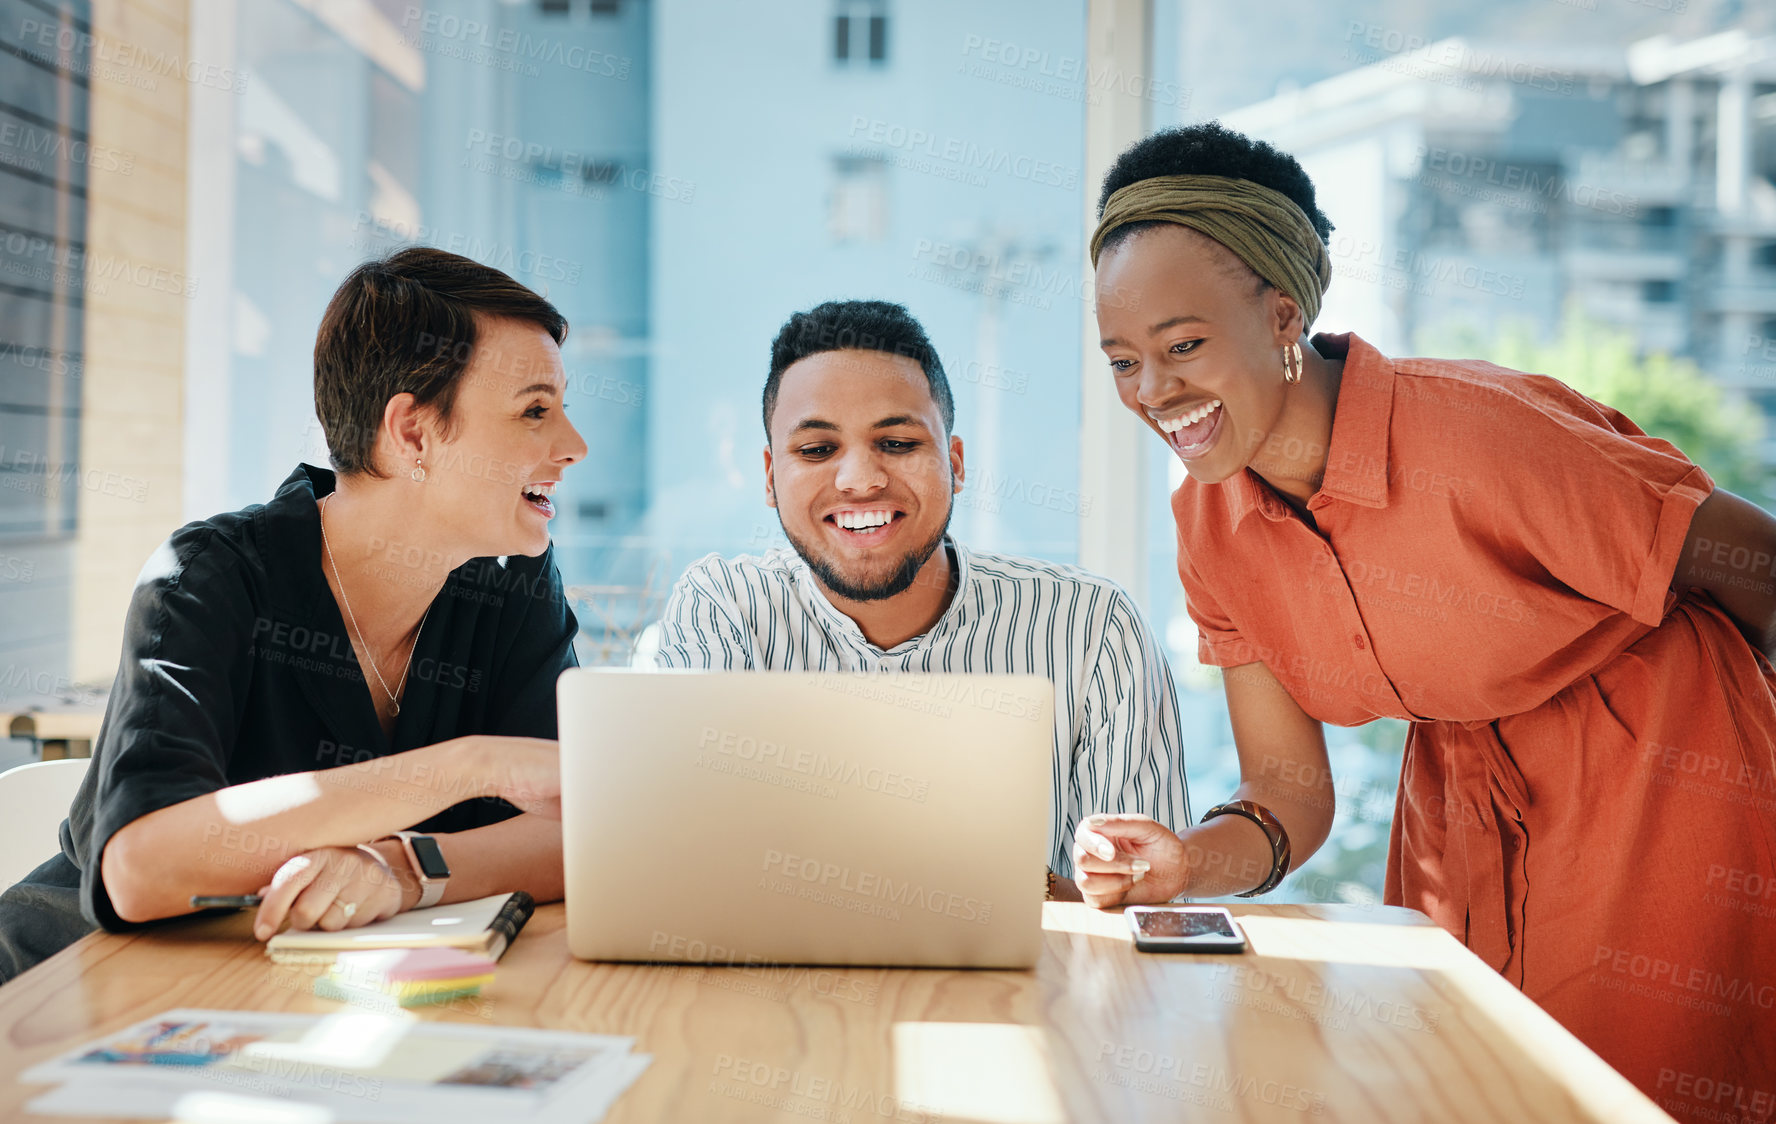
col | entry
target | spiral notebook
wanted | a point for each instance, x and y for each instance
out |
(485, 925)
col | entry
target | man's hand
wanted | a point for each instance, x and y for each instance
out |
(329, 888)
(1126, 859)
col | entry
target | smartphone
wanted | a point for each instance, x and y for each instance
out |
(1184, 928)
(225, 901)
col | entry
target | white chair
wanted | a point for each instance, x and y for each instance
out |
(34, 801)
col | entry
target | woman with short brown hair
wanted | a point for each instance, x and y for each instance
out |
(344, 698)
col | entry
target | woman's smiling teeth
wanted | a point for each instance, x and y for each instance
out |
(539, 494)
(1173, 425)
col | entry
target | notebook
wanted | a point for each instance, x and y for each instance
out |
(485, 925)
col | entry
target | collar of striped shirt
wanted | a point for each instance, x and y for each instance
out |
(954, 617)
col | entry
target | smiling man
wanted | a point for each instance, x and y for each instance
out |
(863, 469)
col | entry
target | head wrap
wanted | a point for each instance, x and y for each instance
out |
(1265, 228)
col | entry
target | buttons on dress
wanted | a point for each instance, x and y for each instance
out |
(1359, 641)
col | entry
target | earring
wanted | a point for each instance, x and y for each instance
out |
(418, 472)
(1292, 364)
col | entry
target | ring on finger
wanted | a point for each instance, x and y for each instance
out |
(348, 909)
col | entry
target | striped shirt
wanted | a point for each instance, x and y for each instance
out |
(1116, 744)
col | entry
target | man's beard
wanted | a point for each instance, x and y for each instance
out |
(897, 582)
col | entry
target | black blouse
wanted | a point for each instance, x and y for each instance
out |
(237, 665)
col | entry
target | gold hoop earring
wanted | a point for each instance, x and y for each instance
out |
(1292, 363)
(418, 472)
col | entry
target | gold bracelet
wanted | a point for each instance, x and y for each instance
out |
(1273, 831)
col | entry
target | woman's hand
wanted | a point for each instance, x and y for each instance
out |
(524, 772)
(1125, 859)
(329, 888)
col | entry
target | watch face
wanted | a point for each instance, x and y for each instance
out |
(431, 858)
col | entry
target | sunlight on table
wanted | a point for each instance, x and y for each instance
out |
(1347, 942)
(1452, 970)
(992, 1073)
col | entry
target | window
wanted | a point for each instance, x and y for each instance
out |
(47, 277)
(878, 38)
(860, 31)
(43, 279)
(858, 211)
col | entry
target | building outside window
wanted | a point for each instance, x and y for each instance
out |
(860, 32)
(859, 211)
(46, 155)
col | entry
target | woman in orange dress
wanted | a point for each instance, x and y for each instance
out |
(1576, 623)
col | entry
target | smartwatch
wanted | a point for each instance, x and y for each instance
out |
(427, 860)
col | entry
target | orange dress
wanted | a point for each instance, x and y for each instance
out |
(1588, 796)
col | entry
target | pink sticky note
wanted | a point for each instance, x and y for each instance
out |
(397, 964)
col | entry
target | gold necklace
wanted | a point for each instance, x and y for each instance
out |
(394, 703)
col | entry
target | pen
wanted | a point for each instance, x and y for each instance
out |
(224, 901)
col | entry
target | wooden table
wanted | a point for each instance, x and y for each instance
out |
(1336, 1013)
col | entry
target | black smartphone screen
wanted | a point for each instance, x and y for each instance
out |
(1171, 923)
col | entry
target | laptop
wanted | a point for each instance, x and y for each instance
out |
(806, 818)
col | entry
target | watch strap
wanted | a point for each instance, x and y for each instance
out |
(430, 892)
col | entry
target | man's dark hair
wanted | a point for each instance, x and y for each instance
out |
(406, 324)
(862, 325)
(1210, 150)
